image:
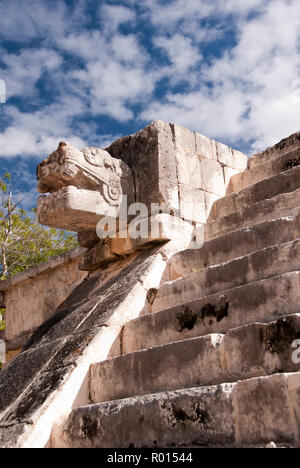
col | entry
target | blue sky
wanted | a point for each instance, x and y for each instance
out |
(89, 72)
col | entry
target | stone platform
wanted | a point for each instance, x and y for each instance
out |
(165, 343)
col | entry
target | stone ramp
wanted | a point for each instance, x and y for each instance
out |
(212, 363)
(48, 378)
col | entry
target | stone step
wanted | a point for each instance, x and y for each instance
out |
(180, 364)
(235, 244)
(284, 204)
(265, 170)
(285, 182)
(262, 301)
(265, 263)
(251, 413)
(243, 353)
(283, 147)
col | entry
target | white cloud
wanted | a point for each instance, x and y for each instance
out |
(19, 141)
(113, 16)
(38, 133)
(111, 77)
(182, 54)
(23, 70)
(112, 88)
(241, 7)
(116, 74)
(168, 14)
(246, 94)
(127, 49)
(21, 20)
(229, 69)
(217, 113)
(185, 15)
(86, 45)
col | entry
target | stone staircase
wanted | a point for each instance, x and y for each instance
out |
(211, 365)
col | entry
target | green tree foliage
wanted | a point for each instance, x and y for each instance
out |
(24, 243)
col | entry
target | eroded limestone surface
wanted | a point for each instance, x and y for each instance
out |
(163, 164)
(47, 378)
(165, 345)
(83, 185)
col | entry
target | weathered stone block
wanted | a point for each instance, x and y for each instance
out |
(192, 204)
(263, 301)
(169, 194)
(259, 349)
(268, 188)
(99, 256)
(87, 239)
(150, 154)
(74, 209)
(29, 295)
(232, 158)
(185, 418)
(284, 146)
(157, 229)
(265, 263)
(210, 199)
(265, 170)
(212, 177)
(293, 383)
(277, 206)
(264, 412)
(17, 376)
(184, 138)
(235, 244)
(147, 167)
(183, 364)
(166, 194)
(229, 174)
(166, 151)
(189, 169)
(205, 147)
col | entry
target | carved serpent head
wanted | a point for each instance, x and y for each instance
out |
(89, 169)
(79, 182)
